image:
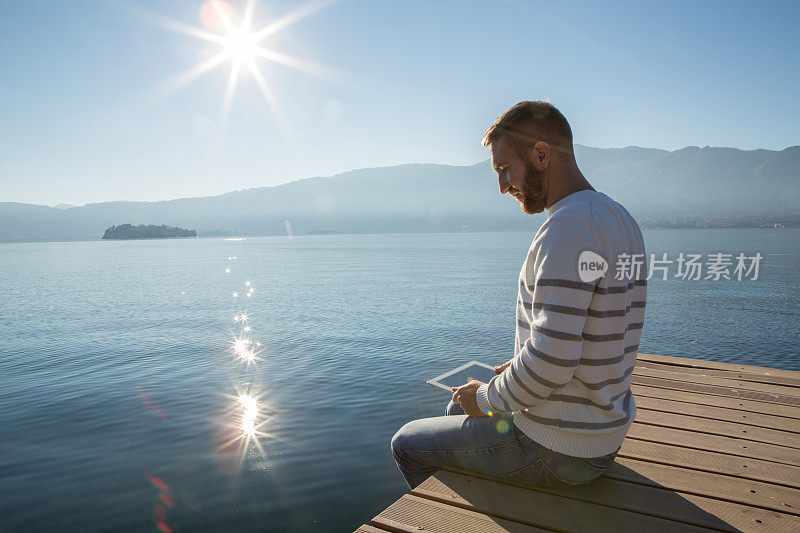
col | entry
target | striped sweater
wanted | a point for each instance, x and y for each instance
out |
(576, 343)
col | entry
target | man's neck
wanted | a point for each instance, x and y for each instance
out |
(569, 183)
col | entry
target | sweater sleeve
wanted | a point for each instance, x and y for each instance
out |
(559, 307)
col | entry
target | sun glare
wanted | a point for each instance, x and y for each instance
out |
(242, 48)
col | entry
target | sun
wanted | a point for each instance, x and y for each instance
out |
(241, 47)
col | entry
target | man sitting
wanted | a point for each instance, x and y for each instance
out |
(558, 411)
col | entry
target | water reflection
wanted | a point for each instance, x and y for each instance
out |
(244, 418)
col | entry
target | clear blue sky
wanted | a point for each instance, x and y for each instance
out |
(417, 82)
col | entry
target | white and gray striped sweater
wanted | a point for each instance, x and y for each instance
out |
(569, 381)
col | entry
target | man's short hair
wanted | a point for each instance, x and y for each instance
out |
(527, 123)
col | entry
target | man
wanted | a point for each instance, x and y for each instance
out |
(558, 411)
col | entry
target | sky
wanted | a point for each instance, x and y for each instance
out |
(86, 112)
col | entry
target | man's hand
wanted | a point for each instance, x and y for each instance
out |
(499, 368)
(466, 396)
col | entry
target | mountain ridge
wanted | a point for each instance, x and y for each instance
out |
(651, 183)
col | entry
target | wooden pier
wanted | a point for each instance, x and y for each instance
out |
(714, 446)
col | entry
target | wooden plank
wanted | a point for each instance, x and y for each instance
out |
(710, 412)
(718, 365)
(720, 486)
(414, 514)
(745, 376)
(523, 505)
(730, 392)
(768, 388)
(364, 528)
(715, 443)
(791, 413)
(717, 427)
(720, 463)
(661, 503)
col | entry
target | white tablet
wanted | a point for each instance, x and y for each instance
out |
(463, 375)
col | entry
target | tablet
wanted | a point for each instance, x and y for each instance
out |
(463, 375)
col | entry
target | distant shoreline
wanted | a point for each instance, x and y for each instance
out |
(345, 234)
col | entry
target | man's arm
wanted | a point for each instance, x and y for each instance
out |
(551, 352)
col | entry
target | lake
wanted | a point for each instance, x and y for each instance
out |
(123, 395)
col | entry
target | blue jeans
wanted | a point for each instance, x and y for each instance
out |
(488, 445)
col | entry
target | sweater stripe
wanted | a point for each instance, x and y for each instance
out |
(565, 283)
(549, 358)
(609, 360)
(604, 338)
(536, 377)
(612, 381)
(567, 398)
(563, 309)
(540, 306)
(569, 284)
(553, 333)
(610, 313)
(584, 336)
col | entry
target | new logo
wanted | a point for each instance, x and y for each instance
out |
(591, 266)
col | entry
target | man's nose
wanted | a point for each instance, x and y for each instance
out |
(504, 185)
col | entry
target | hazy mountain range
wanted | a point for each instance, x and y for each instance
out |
(657, 186)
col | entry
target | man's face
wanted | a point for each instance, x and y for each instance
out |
(519, 177)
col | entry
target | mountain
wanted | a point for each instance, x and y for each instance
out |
(653, 184)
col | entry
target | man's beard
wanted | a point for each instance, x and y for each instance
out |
(533, 190)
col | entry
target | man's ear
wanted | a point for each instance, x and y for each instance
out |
(540, 155)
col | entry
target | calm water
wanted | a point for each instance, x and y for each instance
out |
(117, 378)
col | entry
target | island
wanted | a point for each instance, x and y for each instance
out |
(128, 231)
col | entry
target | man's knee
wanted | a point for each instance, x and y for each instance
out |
(401, 441)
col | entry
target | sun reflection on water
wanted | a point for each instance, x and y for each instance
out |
(246, 421)
(244, 418)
